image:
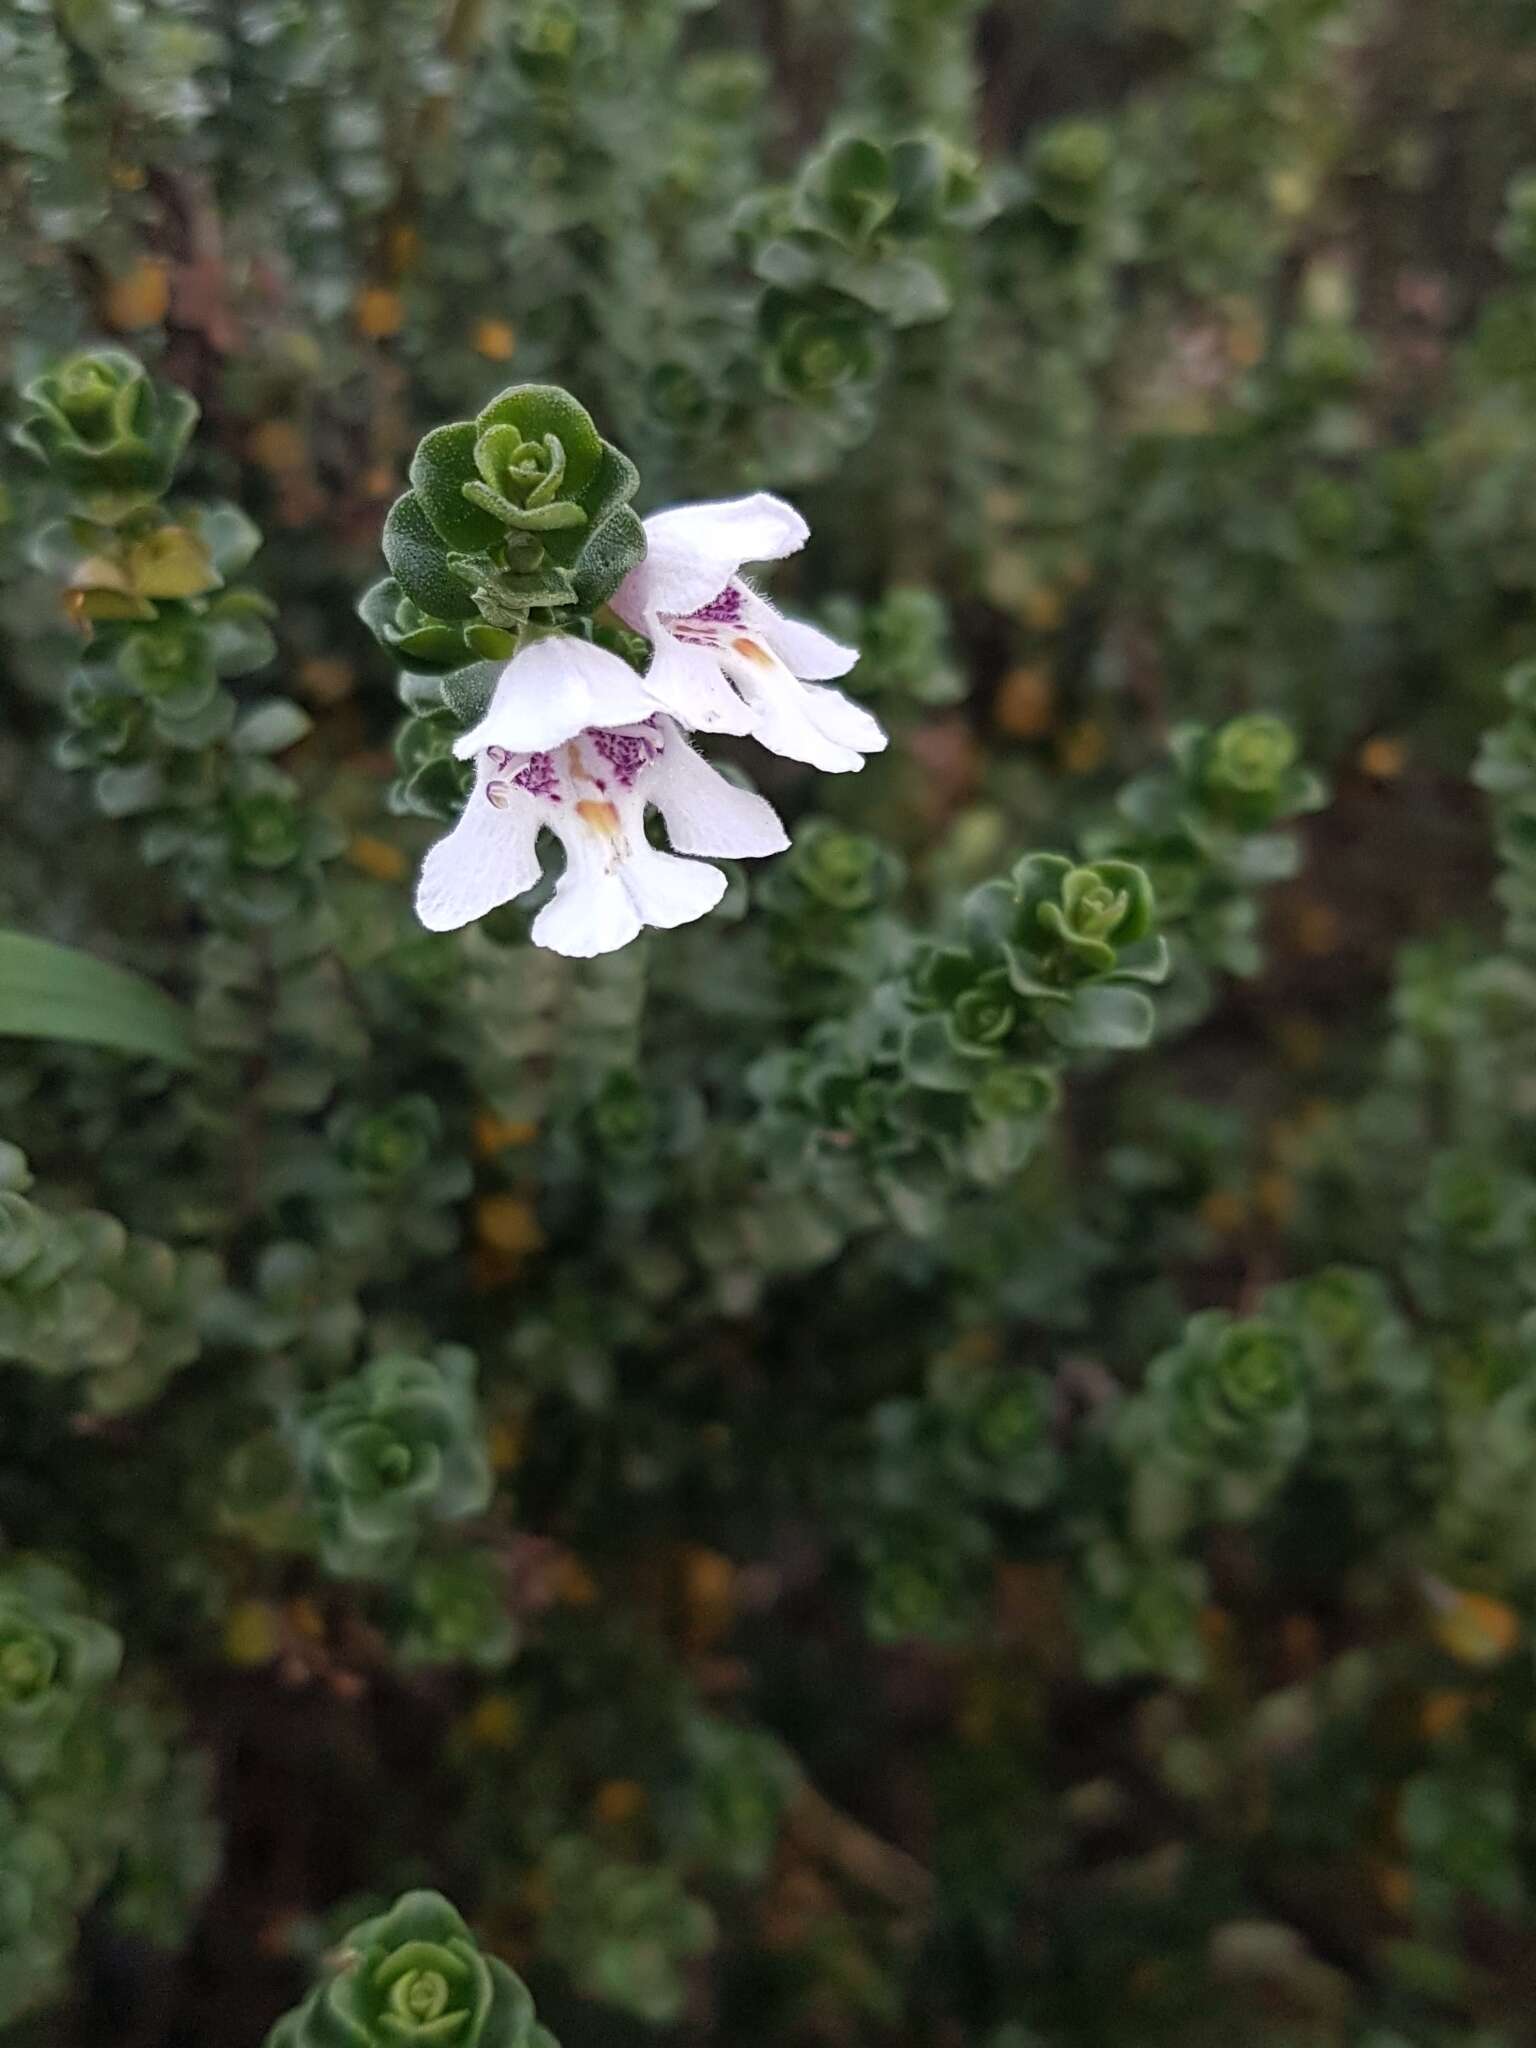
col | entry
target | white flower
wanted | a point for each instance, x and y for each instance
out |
(725, 660)
(591, 790)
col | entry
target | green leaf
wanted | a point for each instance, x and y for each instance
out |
(231, 536)
(419, 562)
(378, 606)
(239, 642)
(468, 691)
(270, 727)
(540, 409)
(617, 547)
(55, 992)
(929, 1059)
(905, 289)
(1105, 1018)
(443, 463)
(1147, 960)
(792, 262)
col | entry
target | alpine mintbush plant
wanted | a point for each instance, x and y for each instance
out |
(767, 1151)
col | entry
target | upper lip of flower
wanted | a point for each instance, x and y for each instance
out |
(693, 551)
(552, 690)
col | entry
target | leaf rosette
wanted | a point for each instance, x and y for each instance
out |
(1137, 1614)
(104, 427)
(523, 510)
(399, 1441)
(1075, 923)
(1232, 1393)
(1247, 772)
(414, 1978)
(53, 1657)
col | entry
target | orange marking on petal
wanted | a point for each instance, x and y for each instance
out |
(601, 816)
(753, 652)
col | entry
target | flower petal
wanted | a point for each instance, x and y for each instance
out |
(550, 691)
(704, 813)
(489, 857)
(804, 650)
(785, 720)
(693, 551)
(667, 891)
(590, 912)
(686, 681)
(756, 528)
(845, 721)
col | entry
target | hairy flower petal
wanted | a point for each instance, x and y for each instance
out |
(693, 551)
(549, 692)
(488, 858)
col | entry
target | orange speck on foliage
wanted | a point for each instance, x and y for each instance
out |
(1026, 703)
(1083, 747)
(1275, 1197)
(305, 1619)
(378, 312)
(618, 1800)
(574, 1584)
(508, 1223)
(1224, 1211)
(1394, 1887)
(325, 679)
(709, 1594)
(276, 445)
(140, 298)
(495, 1134)
(1442, 1713)
(376, 857)
(1042, 609)
(1215, 1627)
(1474, 1628)
(128, 177)
(495, 1722)
(507, 1441)
(1383, 758)
(495, 340)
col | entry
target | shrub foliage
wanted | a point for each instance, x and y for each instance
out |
(945, 1454)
